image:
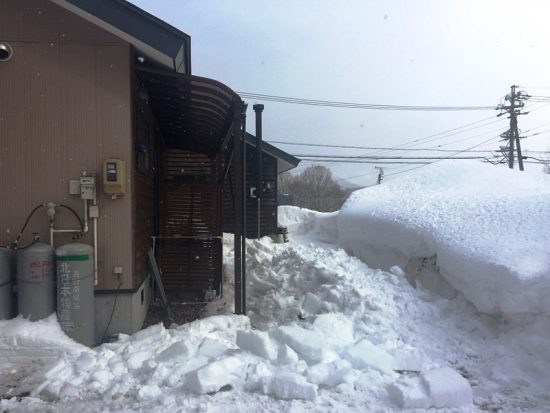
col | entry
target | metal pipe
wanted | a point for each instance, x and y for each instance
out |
(238, 228)
(259, 108)
(51, 213)
(85, 216)
(94, 203)
(243, 212)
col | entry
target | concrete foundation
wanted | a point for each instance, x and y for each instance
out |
(129, 312)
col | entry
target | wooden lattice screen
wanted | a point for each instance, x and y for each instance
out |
(190, 244)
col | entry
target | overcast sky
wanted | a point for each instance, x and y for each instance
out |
(415, 52)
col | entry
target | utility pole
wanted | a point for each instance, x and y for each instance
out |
(380, 174)
(514, 110)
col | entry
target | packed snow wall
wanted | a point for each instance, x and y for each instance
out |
(486, 225)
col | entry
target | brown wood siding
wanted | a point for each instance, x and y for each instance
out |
(64, 107)
(268, 204)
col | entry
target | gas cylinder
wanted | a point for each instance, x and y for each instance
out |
(6, 278)
(36, 281)
(75, 291)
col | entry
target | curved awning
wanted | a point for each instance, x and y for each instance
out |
(193, 113)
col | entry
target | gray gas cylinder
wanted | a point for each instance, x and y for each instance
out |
(75, 291)
(36, 281)
(6, 278)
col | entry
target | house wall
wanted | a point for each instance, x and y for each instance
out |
(65, 106)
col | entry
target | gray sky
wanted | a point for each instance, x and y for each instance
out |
(404, 52)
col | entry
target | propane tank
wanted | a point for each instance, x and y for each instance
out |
(75, 292)
(6, 276)
(36, 281)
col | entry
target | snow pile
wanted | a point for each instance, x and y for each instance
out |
(319, 321)
(26, 347)
(486, 226)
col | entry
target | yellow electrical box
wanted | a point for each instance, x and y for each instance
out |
(114, 177)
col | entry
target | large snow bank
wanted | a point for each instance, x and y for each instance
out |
(488, 226)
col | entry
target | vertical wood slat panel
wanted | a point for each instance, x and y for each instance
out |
(192, 211)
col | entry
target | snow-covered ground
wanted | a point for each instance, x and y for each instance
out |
(325, 332)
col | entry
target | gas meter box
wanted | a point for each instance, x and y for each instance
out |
(87, 187)
(114, 177)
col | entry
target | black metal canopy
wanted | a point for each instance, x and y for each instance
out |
(194, 113)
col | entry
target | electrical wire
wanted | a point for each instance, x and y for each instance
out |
(448, 132)
(301, 156)
(439, 160)
(112, 311)
(385, 148)
(354, 105)
(362, 161)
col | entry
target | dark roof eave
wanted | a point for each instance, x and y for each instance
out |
(285, 161)
(152, 37)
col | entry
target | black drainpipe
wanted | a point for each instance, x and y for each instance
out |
(259, 108)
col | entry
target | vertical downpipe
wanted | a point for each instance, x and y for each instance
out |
(243, 212)
(259, 108)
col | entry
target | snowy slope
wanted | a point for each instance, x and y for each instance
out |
(487, 226)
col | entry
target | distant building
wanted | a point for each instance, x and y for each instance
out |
(275, 161)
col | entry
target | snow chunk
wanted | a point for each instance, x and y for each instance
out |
(149, 392)
(409, 393)
(212, 348)
(311, 304)
(448, 388)
(136, 360)
(228, 371)
(364, 354)
(408, 359)
(83, 363)
(439, 388)
(331, 374)
(289, 386)
(286, 355)
(335, 326)
(177, 351)
(257, 342)
(306, 342)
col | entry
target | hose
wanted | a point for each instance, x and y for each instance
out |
(75, 214)
(36, 208)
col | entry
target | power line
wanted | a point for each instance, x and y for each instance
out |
(389, 149)
(439, 160)
(354, 105)
(383, 157)
(447, 132)
(364, 161)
